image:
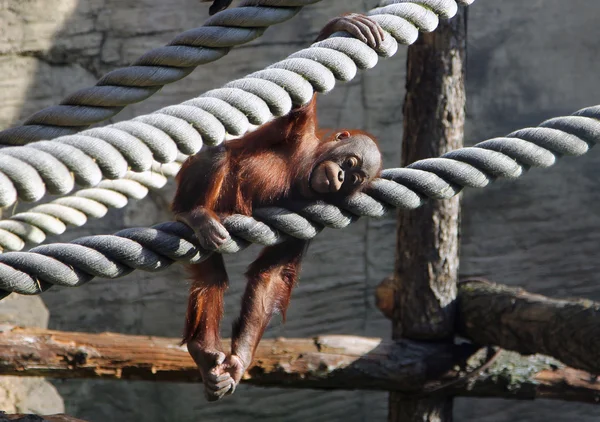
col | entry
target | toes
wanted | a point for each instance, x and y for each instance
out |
(217, 390)
(225, 391)
(215, 378)
(227, 382)
(223, 385)
(222, 377)
(220, 358)
(216, 395)
(218, 382)
(210, 395)
(232, 389)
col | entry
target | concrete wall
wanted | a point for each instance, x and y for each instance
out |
(27, 394)
(527, 61)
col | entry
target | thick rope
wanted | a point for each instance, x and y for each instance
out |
(153, 249)
(158, 67)
(32, 226)
(109, 152)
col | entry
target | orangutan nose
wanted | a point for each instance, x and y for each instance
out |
(336, 183)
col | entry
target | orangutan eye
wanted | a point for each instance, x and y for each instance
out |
(356, 179)
(342, 135)
(351, 162)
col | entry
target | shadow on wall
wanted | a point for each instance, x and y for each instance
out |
(67, 47)
(47, 51)
(57, 50)
(34, 76)
(31, 79)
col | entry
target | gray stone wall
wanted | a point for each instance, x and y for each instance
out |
(527, 61)
(27, 394)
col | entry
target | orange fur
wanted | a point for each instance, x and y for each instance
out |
(263, 167)
(205, 301)
(258, 169)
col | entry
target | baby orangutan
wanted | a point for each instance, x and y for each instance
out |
(284, 159)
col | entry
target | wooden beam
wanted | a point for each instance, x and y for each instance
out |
(321, 362)
(514, 319)
(327, 362)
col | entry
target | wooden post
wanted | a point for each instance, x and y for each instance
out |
(426, 267)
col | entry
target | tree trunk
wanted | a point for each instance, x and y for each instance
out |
(427, 247)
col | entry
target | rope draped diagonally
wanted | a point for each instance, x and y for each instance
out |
(33, 225)
(155, 248)
(109, 152)
(156, 68)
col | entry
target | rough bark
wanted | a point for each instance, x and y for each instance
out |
(427, 243)
(422, 371)
(527, 378)
(427, 254)
(514, 319)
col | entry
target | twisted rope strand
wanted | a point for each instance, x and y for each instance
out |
(155, 248)
(111, 151)
(156, 68)
(32, 226)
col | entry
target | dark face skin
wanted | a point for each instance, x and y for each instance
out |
(348, 164)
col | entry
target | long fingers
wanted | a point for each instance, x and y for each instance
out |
(357, 25)
(220, 231)
(374, 29)
(358, 30)
(211, 235)
(361, 23)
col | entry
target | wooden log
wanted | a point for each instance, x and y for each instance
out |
(514, 319)
(493, 314)
(321, 362)
(426, 269)
(414, 369)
